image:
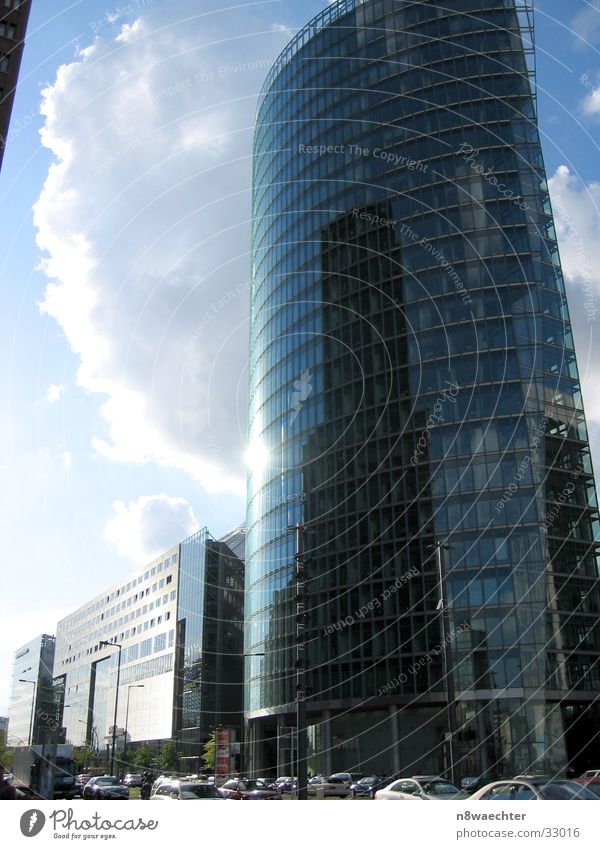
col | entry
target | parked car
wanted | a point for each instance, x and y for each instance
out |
(80, 782)
(592, 784)
(105, 787)
(247, 788)
(367, 786)
(423, 787)
(23, 792)
(161, 780)
(525, 789)
(132, 779)
(182, 791)
(332, 787)
(346, 777)
(472, 783)
(284, 784)
(591, 773)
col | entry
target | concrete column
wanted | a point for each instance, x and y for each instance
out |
(395, 728)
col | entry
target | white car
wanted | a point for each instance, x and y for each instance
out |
(332, 787)
(185, 790)
(424, 787)
(162, 779)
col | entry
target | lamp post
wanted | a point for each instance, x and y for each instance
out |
(26, 681)
(129, 689)
(440, 547)
(114, 734)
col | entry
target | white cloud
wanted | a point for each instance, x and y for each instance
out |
(130, 31)
(577, 215)
(143, 222)
(66, 459)
(143, 529)
(591, 103)
(54, 393)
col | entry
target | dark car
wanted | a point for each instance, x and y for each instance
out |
(592, 784)
(132, 779)
(182, 791)
(23, 792)
(285, 784)
(80, 782)
(247, 788)
(367, 786)
(523, 789)
(105, 787)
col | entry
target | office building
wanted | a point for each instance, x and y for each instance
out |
(14, 15)
(178, 622)
(3, 730)
(413, 382)
(32, 709)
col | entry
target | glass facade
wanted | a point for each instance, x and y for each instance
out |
(138, 613)
(210, 641)
(413, 380)
(178, 621)
(32, 710)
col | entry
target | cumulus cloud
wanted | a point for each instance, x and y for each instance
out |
(577, 215)
(143, 529)
(54, 393)
(591, 103)
(143, 223)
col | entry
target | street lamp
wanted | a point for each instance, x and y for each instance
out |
(114, 734)
(26, 681)
(440, 547)
(129, 689)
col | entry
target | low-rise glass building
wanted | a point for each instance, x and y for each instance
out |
(32, 708)
(179, 622)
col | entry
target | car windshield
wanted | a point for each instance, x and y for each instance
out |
(439, 788)
(106, 782)
(554, 790)
(371, 780)
(198, 791)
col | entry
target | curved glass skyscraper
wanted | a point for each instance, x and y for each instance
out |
(414, 383)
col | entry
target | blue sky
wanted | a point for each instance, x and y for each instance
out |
(124, 266)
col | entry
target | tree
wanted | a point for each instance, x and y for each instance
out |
(168, 757)
(6, 757)
(83, 757)
(209, 753)
(144, 757)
